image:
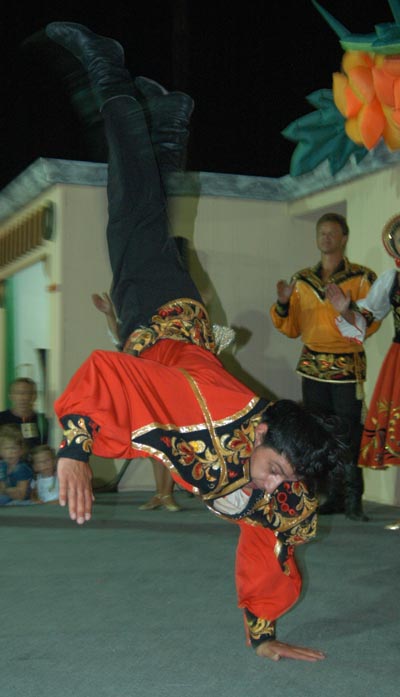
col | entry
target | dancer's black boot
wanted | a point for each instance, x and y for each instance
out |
(167, 113)
(334, 502)
(102, 58)
(353, 493)
(168, 116)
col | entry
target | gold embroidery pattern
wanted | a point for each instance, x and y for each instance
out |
(332, 367)
(382, 428)
(213, 464)
(383, 445)
(312, 276)
(79, 434)
(214, 458)
(228, 450)
(182, 320)
(311, 279)
(302, 532)
(259, 628)
(290, 513)
(196, 453)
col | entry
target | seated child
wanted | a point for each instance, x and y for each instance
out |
(45, 484)
(15, 473)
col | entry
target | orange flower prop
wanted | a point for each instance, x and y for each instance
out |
(362, 109)
(367, 94)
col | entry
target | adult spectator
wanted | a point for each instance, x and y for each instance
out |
(33, 425)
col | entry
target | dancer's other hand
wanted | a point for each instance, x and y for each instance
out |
(75, 488)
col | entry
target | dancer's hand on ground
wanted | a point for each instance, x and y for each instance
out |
(75, 487)
(275, 650)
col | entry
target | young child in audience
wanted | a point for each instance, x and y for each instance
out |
(45, 483)
(15, 473)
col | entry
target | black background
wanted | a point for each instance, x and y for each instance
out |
(249, 67)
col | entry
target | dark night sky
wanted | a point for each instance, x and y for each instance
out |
(249, 69)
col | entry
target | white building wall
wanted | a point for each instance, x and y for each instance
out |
(243, 247)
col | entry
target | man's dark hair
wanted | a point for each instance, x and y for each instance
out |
(313, 444)
(334, 218)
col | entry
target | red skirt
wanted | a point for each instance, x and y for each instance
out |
(380, 444)
(124, 394)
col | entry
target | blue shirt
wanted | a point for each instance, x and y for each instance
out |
(21, 472)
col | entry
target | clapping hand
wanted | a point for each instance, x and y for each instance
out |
(284, 291)
(338, 299)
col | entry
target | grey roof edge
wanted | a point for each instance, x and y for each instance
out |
(46, 172)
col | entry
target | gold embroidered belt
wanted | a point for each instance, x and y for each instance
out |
(182, 320)
(332, 367)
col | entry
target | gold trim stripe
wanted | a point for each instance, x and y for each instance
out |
(137, 433)
(209, 424)
(159, 455)
(223, 479)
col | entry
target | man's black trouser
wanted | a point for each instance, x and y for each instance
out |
(340, 400)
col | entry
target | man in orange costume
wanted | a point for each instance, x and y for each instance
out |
(166, 394)
(332, 370)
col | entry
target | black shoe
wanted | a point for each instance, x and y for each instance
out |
(330, 507)
(101, 57)
(168, 111)
(148, 87)
(84, 44)
(168, 116)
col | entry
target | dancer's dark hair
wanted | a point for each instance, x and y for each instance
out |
(313, 444)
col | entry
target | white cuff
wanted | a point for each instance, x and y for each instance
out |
(350, 331)
(112, 337)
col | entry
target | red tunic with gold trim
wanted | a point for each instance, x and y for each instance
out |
(170, 398)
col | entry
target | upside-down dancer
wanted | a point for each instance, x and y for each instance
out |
(166, 394)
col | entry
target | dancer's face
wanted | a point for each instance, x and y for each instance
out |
(268, 469)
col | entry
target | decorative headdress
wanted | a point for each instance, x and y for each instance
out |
(392, 225)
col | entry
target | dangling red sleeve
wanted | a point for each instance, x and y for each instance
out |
(264, 590)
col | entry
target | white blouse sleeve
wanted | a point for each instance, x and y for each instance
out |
(376, 302)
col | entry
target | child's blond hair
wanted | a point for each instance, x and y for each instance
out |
(13, 433)
(43, 449)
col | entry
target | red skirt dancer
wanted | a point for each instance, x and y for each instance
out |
(380, 444)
